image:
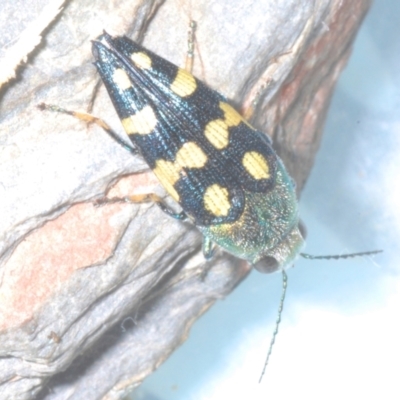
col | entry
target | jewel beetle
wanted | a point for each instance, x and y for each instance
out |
(224, 174)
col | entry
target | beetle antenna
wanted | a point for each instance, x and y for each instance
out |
(338, 256)
(278, 321)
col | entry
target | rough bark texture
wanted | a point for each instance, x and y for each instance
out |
(94, 299)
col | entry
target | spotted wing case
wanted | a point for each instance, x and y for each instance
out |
(223, 172)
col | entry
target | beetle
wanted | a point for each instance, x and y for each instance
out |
(224, 174)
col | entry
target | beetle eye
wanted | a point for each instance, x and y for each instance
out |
(302, 229)
(266, 265)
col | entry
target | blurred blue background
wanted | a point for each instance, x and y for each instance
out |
(340, 333)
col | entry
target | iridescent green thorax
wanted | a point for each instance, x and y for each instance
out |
(267, 227)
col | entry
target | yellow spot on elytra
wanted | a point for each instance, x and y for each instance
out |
(190, 155)
(142, 123)
(141, 60)
(121, 79)
(184, 83)
(232, 117)
(168, 174)
(256, 165)
(217, 133)
(217, 130)
(216, 200)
